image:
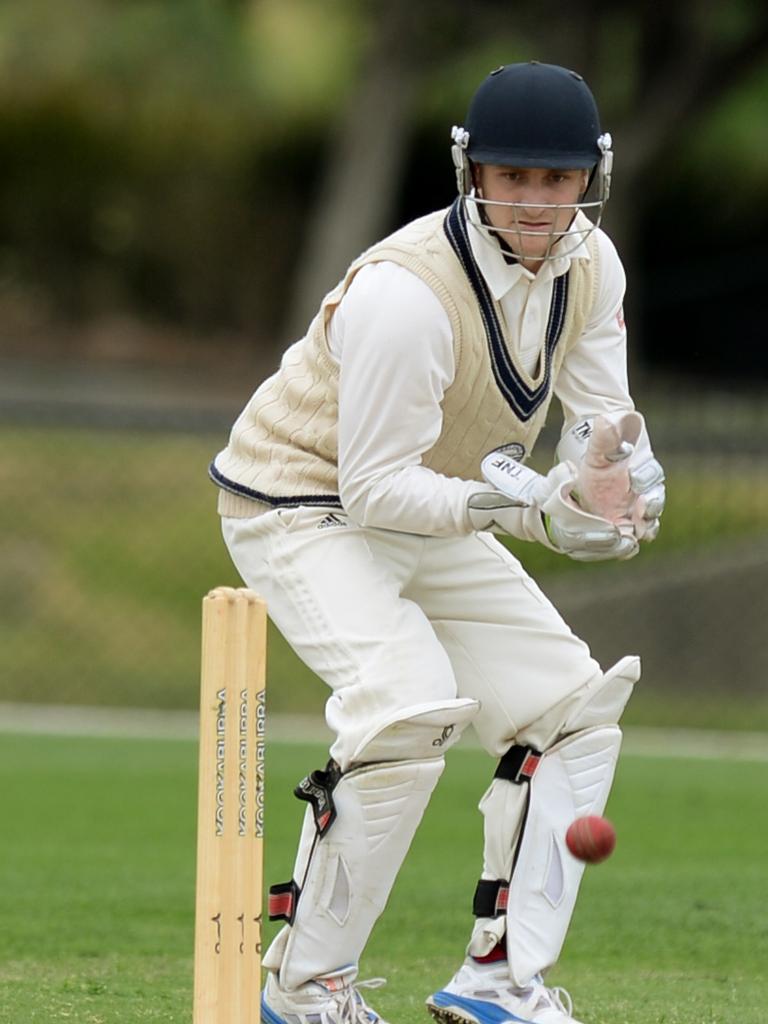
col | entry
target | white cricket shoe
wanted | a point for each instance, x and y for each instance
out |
(485, 994)
(331, 999)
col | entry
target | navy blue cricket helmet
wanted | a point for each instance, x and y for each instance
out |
(534, 115)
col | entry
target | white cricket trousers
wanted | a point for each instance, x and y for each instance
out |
(390, 620)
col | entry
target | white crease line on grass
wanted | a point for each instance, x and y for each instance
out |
(144, 723)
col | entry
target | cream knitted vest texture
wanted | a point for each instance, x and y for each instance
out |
(283, 447)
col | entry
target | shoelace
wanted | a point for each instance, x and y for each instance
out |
(556, 997)
(560, 998)
(352, 1007)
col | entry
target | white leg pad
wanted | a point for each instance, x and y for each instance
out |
(419, 731)
(573, 779)
(346, 876)
(605, 703)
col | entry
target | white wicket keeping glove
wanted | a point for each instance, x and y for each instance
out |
(513, 507)
(603, 485)
(581, 535)
(612, 482)
(520, 484)
(647, 482)
(569, 530)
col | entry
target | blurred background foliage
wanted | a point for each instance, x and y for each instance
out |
(215, 165)
(181, 181)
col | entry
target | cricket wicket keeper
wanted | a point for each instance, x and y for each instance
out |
(361, 491)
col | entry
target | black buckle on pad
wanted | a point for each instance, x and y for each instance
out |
(282, 900)
(518, 765)
(316, 789)
(491, 898)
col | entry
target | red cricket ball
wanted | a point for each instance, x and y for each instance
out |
(591, 838)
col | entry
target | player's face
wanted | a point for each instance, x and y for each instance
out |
(531, 226)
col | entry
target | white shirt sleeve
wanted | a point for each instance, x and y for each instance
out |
(593, 377)
(394, 345)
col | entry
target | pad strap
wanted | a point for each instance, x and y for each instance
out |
(491, 897)
(317, 789)
(282, 902)
(518, 764)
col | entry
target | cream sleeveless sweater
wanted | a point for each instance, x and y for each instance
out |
(283, 447)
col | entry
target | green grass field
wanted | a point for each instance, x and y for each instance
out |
(97, 887)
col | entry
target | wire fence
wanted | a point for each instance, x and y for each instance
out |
(109, 538)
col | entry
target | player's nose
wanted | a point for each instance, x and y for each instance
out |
(532, 203)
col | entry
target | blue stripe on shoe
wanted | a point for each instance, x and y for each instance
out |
(268, 1014)
(483, 1012)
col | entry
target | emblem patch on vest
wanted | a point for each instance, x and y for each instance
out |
(514, 450)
